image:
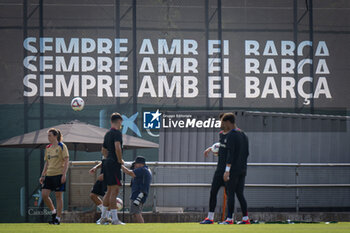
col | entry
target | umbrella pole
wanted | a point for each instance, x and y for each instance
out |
(42, 154)
(26, 184)
(124, 197)
(75, 151)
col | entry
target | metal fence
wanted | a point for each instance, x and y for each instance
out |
(185, 186)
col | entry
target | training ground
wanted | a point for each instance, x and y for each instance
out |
(174, 227)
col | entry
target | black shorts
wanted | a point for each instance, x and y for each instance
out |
(53, 183)
(99, 188)
(112, 173)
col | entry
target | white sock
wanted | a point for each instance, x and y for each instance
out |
(229, 219)
(211, 215)
(58, 218)
(100, 206)
(104, 211)
(114, 213)
(245, 218)
(54, 211)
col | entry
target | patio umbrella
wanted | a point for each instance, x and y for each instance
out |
(78, 136)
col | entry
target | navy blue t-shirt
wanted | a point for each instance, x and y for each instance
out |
(237, 151)
(141, 183)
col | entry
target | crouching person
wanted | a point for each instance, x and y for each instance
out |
(139, 187)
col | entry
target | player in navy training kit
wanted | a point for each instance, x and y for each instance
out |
(218, 180)
(112, 149)
(236, 168)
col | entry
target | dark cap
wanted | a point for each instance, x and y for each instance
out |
(140, 159)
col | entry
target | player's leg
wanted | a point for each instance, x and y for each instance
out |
(97, 190)
(116, 184)
(45, 194)
(98, 202)
(108, 181)
(100, 206)
(136, 212)
(105, 205)
(113, 205)
(138, 218)
(96, 199)
(215, 187)
(113, 195)
(59, 188)
(103, 191)
(103, 194)
(59, 203)
(112, 177)
(242, 200)
(50, 184)
(106, 198)
(231, 186)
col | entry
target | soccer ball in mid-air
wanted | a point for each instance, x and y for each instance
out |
(77, 104)
(119, 204)
(215, 148)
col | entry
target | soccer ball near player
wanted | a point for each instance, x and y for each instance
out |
(119, 204)
(77, 104)
(215, 148)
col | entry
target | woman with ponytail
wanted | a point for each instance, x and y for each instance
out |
(53, 176)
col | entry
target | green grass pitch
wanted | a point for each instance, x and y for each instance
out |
(173, 227)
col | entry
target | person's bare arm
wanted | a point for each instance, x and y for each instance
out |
(104, 151)
(128, 172)
(93, 169)
(206, 152)
(43, 173)
(227, 172)
(118, 152)
(65, 169)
